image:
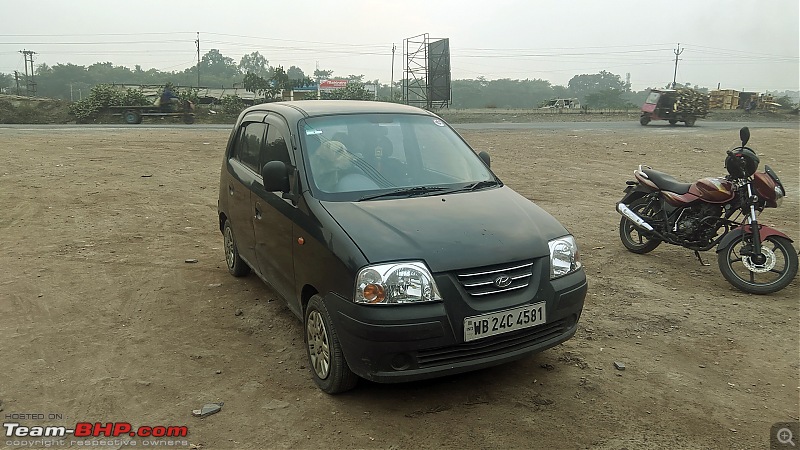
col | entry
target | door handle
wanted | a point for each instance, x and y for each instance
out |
(230, 189)
(258, 214)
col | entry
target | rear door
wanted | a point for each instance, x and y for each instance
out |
(274, 216)
(243, 167)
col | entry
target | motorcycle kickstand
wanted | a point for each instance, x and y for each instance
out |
(702, 263)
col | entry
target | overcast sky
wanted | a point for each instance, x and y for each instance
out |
(742, 44)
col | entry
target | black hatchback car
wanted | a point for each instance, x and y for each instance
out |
(403, 254)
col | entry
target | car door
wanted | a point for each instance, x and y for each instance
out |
(243, 168)
(274, 215)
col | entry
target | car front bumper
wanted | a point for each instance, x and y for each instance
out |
(399, 343)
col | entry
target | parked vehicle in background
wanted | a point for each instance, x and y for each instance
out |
(403, 254)
(562, 103)
(682, 105)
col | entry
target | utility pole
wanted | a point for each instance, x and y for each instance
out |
(16, 78)
(198, 59)
(30, 85)
(391, 83)
(677, 52)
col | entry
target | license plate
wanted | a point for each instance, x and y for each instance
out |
(485, 325)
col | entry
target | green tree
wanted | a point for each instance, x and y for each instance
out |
(608, 99)
(214, 64)
(353, 91)
(295, 73)
(259, 85)
(6, 82)
(255, 63)
(582, 85)
(320, 74)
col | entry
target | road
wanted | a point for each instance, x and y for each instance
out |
(627, 126)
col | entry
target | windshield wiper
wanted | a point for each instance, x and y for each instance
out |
(475, 186)
(416, 190)
(481, 185)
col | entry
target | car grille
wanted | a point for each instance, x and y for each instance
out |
(489, 280)
(494, 345)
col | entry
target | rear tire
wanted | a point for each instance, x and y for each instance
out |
(775, 274)
(672, 121)
(632, 238)
(326, 360)
(690, 122)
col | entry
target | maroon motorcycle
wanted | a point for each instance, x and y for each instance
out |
(721, 212)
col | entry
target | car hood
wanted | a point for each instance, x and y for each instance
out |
(449, 232)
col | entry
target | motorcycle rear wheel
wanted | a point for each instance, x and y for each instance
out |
(772, 276)
(632, 238)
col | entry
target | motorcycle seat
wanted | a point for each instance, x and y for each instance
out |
(667, 182)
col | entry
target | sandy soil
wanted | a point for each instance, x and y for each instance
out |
(101, 318)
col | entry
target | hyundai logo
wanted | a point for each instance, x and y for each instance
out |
(502, 281)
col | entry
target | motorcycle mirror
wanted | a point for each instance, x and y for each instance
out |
(744, 135)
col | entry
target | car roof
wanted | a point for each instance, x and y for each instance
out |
(300, 109)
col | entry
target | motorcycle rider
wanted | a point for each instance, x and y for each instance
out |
(168, 98)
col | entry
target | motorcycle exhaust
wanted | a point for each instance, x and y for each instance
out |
(625, 211)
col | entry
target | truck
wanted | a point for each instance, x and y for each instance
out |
(674, 105)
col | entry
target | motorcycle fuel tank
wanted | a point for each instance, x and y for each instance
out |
(713, 190)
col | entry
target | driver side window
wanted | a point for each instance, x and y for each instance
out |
(248, 147)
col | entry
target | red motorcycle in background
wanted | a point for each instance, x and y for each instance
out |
(721, 212)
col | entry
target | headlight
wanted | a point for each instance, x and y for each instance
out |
(564, 256)
(392, 283)
(778, 196)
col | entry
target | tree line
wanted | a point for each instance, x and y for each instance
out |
(603, 90)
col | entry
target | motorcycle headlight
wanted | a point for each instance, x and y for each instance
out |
(778, 195)
(564, 256)
(394, 283)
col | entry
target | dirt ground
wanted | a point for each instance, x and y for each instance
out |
(102, 320)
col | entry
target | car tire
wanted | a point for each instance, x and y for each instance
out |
(236, 265)
(644, 120)
(326, 360)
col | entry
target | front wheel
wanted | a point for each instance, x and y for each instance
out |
(236, 265)
(644, 120)
(769, 272)
(633, 238)
(131, 117)
(329, 369)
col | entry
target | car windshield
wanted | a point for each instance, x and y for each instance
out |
(362, 156)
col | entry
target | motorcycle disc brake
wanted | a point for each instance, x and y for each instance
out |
(768, 265)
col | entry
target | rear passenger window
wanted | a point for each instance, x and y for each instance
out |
(248, 146)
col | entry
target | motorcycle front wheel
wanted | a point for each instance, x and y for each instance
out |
(772, 274)
(632, 238)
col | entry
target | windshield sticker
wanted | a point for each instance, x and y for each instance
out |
(438, 122)
(310, 132)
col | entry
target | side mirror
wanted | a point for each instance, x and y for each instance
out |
(744, 135)
(276, 176)
(485, 158)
